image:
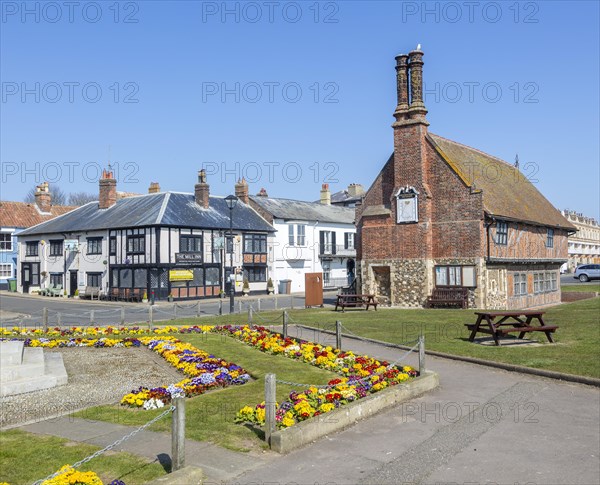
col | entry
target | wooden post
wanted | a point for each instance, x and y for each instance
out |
(150, 317)
(258, 305)
(270, 400)
(174, 311)
(421, 354)
(45, 319)
(338, 334)
(239, 307)
(198, 309)
(178, 434)
(285, 324)
(275, 302)
(123, 316)
(58, 320)
(250, 315)
(91, 317)
(291, 302)
(220, 307)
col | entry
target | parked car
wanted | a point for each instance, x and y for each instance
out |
(587, 272)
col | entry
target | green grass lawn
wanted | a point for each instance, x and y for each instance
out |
(209, 417)
(575, 351)
(578, 287)
(25, 458)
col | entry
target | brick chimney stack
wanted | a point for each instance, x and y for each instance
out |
(241, 190)
(201, 190)
(154, 188)
(43, 199)
(108, 190)
(325, 195)
(355, 190)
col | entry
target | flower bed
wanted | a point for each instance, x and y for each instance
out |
(360, 376)
(204, 371)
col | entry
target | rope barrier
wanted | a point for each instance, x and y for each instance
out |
(111, 446)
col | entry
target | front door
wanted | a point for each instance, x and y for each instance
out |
(159, 283)
(30, 275)
(72, 282)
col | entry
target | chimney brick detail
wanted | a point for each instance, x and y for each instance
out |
(108, 190)
(43, 199)
(241, 190)
(202, 190)
(325, 195)
(154, 188)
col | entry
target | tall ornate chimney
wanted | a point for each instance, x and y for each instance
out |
(201, 190)
(415, 65)
(108, 190)
(402, 83)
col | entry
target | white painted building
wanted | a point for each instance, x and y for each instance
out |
(311, 237)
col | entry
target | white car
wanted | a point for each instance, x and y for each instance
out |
(587, 272)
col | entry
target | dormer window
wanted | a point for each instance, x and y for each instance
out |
(407, 207)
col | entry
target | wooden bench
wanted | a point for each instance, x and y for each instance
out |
(348, 300)
(442, 297)
(508, 322)
(91, 292)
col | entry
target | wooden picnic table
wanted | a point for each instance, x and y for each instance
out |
(355, 301)
(521, 321)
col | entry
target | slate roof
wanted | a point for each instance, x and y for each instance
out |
(24, 214)
(507, 193)
(299, 210)
(343, 197)
(162, 209)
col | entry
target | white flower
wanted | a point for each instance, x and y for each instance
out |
(153, 403)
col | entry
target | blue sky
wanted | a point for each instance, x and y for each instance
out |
(291, 94)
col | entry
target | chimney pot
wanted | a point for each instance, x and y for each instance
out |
(415, 66)
(262, 193)
(154, 188)
(402, 82)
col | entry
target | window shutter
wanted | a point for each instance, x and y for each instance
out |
(322, 242)
(333, 242)
(346, 240)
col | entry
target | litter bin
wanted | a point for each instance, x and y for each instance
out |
(285, 287)
(12, 284)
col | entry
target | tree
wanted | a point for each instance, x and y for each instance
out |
(81, 198)
(59, 197)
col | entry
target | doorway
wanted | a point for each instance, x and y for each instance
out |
(30, 275)
(72, 282)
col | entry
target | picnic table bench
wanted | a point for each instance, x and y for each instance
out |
(511, 321)
(355, 301)
(442, 297)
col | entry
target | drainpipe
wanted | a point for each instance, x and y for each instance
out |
(487, 233)
(313, 258)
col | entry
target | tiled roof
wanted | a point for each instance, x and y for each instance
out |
(299, 210)
(24, 214)
(507, 193)
(165, 209)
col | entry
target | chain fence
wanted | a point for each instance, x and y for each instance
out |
(111, 446)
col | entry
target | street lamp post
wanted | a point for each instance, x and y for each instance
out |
(231, 201)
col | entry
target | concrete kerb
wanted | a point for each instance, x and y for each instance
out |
(288, 439)
(590, 381)
(189, 475)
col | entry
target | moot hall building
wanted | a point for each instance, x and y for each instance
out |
(444, 215)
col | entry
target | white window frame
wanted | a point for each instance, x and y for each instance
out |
(291, 241)
(301, 234)
(10, 273)
(11, 243)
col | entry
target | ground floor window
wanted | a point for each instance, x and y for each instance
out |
(94, 279)
(544, 282)
(56, 279)
(255, 273)
(463, 276)
(520, 284)
(6, 270)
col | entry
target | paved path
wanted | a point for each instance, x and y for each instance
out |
(482, 425)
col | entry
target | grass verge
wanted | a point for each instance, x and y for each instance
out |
(26, 457)
(580, 288)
